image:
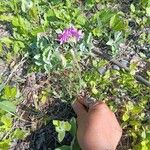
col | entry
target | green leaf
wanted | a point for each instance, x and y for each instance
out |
(148, 11)
(110, 42)
(136, 110)
(97, 32)
(104, 16)
(26, 4)
(10, 92)
(13, 92)
(89, 38)
(118, 37)
(8, 18)
(64, 61)
(81, 20)
(67, 126)
(43, 99)
(18, 134)
(1, 47)
(22, 24)
(38, 63)
(61, 136)
(23, 7)
(107, 75)
(37, 30)
(56, 122)
(4, 8)
(33, 12)
(8, 106)
(148, 72)
(73, 126)
(7, 121)
(132, 7)
(68, 3)
(144, 144)
(4, 145)
(7, 41)
(143, 134)
(94, 90)
(117, 23)
(37, 57)
(47, 54)
(74, 143)
(1, 87)
(133, 68)
(125, 117)
(64, 147)
(15, 22)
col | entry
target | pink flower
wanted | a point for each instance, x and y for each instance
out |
(70, 34)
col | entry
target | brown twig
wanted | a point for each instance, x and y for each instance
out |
(14, 70)
(108, 58)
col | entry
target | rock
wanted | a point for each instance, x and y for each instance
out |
(115, 67)
(102, 70)
(135, 60)
(124, 62)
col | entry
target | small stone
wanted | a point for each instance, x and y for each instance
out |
(124, 63)
(102, 70)
(135, 59)
(98, 6)
(132, 53)
(115, 67)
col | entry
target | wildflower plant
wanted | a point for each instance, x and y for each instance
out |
(63, 54)
(69, 43)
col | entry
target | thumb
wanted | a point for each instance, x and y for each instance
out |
(79, 109)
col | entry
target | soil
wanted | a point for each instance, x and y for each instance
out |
(43, 136)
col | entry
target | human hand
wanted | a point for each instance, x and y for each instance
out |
(98, 128)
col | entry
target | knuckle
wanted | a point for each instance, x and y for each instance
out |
(101, 105)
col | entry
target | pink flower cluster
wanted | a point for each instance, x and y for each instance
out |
(70, 33)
